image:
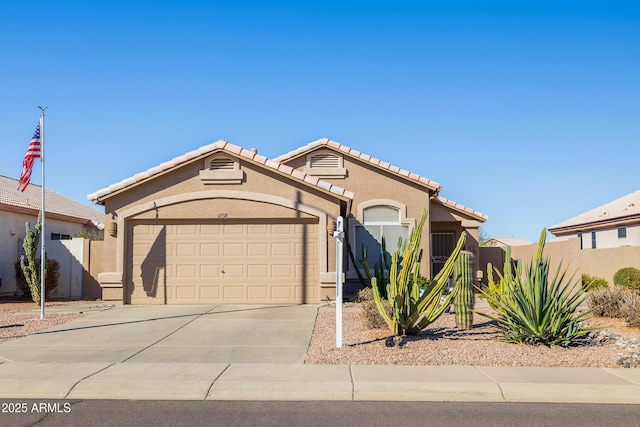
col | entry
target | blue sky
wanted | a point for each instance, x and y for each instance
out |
(525, 110)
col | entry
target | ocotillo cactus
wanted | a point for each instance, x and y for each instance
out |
(464, 300)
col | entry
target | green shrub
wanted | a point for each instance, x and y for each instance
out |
(538, 309)
(591, 282)
(51, 277)
(628, 277)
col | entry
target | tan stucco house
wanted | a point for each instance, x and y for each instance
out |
(611, 225)
(65, 218)
(224, 224)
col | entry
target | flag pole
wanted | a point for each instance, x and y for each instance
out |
(43, 234)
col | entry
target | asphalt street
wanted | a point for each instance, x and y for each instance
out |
(58, 413)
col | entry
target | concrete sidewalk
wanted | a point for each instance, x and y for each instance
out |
(251, 381)
(257, 353)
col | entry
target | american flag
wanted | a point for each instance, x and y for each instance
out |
(33, 152)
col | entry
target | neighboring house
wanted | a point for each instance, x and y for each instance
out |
(503, 242)
(64, 219)
(611, 225)
(225, 224)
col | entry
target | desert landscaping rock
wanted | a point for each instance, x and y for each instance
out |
(442, 344)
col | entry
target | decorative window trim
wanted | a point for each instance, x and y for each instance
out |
(325, 164)
(355, 222)
(221, 169)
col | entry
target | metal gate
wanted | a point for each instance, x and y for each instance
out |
(442, 245)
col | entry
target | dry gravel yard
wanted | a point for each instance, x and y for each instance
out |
(442, 344)
(439, 344)
(21, 317)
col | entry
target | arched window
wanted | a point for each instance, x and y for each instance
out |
(378, 221)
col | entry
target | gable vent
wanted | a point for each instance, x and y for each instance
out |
(324, 161)
(221, 164)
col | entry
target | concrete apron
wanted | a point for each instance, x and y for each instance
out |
(174, 334)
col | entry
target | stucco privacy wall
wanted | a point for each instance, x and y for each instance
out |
(181, 194)
(12, 231)
(595, 262)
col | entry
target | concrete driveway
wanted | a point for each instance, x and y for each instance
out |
(193, 334)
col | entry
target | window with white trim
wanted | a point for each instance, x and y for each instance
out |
(379, 221)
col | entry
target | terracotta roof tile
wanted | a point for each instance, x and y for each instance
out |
(260, 159)
(248, 153)
(233, 148)
(285, 169)
(272, 163)
(298, 174)
(462, 208)
(311, 179)
(203, 151)
(362, 156)
(56, 203)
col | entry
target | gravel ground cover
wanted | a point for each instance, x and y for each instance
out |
(21, 317)
(442, 344)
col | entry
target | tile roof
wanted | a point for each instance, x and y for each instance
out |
(220, 145)
(326, 142)
(462, 208)
(56, 203)
(433, 185)
(626, 206)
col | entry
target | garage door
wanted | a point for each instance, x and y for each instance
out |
(255, 262)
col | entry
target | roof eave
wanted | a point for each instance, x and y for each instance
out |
(595, 225)
(326, 143)
(253, 157)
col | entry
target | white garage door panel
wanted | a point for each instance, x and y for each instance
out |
(181, 263)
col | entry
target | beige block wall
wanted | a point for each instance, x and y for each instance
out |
(12, 233)
(93, 263)
(596, 262)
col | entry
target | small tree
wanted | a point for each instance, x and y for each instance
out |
(30, 267)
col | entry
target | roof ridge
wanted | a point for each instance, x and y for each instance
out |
(224, 146)
(363, 157)
(56, 202)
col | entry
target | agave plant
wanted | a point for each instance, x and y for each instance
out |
(414, 306)
(537, 309)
